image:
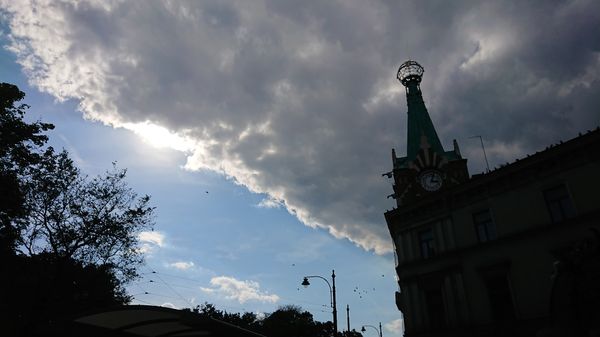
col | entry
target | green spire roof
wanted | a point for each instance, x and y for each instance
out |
(421, 132)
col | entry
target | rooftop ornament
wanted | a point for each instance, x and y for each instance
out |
(410, 72)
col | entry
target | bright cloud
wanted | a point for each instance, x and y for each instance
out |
(169, 305)
(150, 240)
(182, 265)
(395, 326)
(159, 136)
(239, 290)
(269, 203)
(286, 100)
(152, 237)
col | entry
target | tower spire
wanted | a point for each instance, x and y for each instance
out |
(427, 168)
(421, 132)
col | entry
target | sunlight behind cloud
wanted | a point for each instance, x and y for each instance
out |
(295, 109)
(160, 137)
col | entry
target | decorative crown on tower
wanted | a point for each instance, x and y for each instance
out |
(410, 72)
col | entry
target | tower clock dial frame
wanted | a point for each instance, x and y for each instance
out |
(431, 180)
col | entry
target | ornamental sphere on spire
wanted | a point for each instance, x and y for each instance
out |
(410, 72)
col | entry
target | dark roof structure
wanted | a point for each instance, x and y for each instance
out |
(151, 321)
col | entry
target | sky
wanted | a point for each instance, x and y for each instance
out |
(261, 128)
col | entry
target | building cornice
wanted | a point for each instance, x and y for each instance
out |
(555, 158)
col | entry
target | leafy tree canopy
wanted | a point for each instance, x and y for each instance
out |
(42, 290)
(50, 206)
(19, 141)
(68, 242)
(288, 320)
(19, 145)
(91, 220)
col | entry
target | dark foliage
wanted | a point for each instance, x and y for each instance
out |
(68, 242)
(42, 291)
(292, 321)
(289, 321)
(94, 221)
(246, 320)
(49, 206)
(19, 149)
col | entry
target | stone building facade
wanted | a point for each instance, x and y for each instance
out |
(478, 255)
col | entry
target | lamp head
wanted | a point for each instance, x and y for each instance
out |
(410, 72)
(305, 282)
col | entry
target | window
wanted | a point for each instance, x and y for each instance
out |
(559, 203)
(500, 296)
(426, 243)
(434, 301)
(484, 226)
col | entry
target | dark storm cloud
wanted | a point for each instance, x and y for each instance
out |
(298, 99)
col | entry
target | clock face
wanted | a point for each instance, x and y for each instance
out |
(431, 180)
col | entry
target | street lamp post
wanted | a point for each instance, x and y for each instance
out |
(305, 283)
(379, 331)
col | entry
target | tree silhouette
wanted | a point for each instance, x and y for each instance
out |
(20, 144)
(41, 292)
(93, 221)
(68, 242)
(288, 320)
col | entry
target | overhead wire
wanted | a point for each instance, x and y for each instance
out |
(170, 287)
(153, 273)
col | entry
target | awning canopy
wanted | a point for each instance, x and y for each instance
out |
(153, 321)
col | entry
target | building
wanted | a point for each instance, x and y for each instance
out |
(494, 253)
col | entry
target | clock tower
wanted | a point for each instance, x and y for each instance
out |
(426, 168)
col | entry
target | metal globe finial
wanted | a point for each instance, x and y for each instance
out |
(410, 72)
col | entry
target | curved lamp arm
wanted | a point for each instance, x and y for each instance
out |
(305, 283)
(371, 326)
